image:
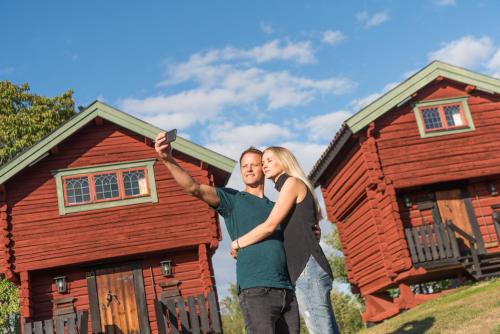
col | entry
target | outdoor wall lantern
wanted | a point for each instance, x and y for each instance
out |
(407, 200)
(166, 267)
(493, 189)
(61, 284)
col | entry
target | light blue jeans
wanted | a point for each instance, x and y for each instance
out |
(313, 295)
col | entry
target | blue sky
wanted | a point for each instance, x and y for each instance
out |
(229, 74)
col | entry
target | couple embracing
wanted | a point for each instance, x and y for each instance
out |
(280, 267)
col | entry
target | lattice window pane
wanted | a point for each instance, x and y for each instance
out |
(431, 118)
(135, 183)
(77, 190)
(453, 116)
(106, 186)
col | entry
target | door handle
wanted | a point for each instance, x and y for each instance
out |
(109, 298)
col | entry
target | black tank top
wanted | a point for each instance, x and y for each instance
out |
(299, 239)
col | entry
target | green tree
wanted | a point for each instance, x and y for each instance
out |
(25, 118)
(336, 258)
(9, 307)
(347, 311)
(232, 318)
(347, 307)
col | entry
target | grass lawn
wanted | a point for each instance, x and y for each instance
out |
(468, 310)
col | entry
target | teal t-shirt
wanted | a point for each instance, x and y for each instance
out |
(262, 264)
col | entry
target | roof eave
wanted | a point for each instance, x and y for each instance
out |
(399, 95)
(99, 109)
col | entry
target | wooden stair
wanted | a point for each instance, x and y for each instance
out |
(489, 266)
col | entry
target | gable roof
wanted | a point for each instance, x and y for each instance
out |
(398, 96)
(99, 109)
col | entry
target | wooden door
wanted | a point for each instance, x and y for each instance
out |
(116, 294)
(452, 206)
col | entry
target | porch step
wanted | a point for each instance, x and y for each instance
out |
(488, 263)
(484, 276)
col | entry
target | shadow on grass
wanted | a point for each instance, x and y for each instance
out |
(415, 326)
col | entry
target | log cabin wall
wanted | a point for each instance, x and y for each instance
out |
(363, 204)
(483, 204)
(6, 254)
(44, 238)
(188, 269)
(410, 160)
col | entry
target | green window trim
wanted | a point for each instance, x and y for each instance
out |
(429, 134)
(61, 173)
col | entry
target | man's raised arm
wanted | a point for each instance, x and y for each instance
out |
(202, 191)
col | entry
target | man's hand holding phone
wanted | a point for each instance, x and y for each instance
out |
(162, 143)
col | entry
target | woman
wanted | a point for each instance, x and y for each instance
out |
(297, 209)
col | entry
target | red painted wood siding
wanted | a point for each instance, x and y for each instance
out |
(481, 200)
(188, 269)
(411, 161)
(44, 239)
(348, 204)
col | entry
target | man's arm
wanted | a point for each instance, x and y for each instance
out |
(202, 191)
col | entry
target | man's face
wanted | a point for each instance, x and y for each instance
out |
(251, 169)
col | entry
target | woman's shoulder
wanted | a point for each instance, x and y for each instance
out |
(294, 182)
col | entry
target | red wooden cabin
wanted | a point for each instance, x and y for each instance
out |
(91, 205)
(412, 182)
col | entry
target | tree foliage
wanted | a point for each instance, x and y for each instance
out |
(9, 307)
(232, 318)
(347, 307)
(25, 118)
(336, 259)
(347, 311)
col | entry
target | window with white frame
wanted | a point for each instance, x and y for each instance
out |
(104, 186)
(444, 116)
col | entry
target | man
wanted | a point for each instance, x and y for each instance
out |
(267, 299)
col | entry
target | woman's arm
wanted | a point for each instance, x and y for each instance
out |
(286, 200)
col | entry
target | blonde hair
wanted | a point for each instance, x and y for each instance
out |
(292, 167)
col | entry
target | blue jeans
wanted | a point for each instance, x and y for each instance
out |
(313, 295)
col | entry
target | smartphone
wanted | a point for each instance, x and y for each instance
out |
(171, 135)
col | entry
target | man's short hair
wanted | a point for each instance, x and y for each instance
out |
(251, 149)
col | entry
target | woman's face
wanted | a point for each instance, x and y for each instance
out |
(271, 165)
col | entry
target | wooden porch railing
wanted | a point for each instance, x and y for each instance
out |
(59, 325)
(190, 315)
(438, 242)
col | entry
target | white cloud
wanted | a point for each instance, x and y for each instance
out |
(358, 104)
(410, 73)
(179, 110)
(101, 98)
(306, 153)
(332, 37)
(467, 51)
(445, 2)
(216, 60)
(324, 127)
(222, 84)
(494, 64)
(232, 139)
(266, 27)
(369, 20)
(235, 88)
